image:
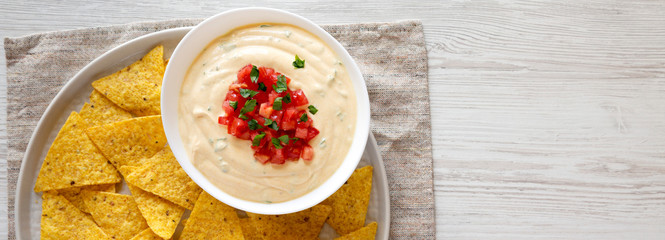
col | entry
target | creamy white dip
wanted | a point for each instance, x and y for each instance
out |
(227, 161)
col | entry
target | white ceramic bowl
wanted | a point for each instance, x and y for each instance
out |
(192, 45)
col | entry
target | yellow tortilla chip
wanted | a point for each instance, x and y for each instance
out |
(130, 141)
(73, 161)
(146, 234)
(117, 214)
(210, 213)
(162, 216)
(136, 88)
(350, 202)
(248, 230)
(61, 220)
(162, 175)
(365, 233)
(102, 111)
(73, 195)
(305, 224)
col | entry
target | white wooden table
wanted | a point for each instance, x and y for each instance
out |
(548, 119)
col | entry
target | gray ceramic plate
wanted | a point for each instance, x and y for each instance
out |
(75, 92)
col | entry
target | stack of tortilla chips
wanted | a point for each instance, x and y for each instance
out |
(119, 134)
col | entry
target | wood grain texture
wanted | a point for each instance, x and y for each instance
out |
(548, 117)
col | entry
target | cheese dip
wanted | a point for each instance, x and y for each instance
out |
(227, 161)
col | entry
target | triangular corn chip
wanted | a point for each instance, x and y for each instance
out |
(73, 161)
(349, 203)
(248, 230)
(129, 141)
(61, 220)
(305, 224)
(136, 88)
(117, 214)
(146, 234)
(74, 196)
(102, 111)
(365, 233)
(162, 175)
(162, 216)
(212, 219)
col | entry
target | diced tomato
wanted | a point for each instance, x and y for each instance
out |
(279, 157)
(266, 110)
(288, 120)
(227, 108)
(277, 116)
(224, 120)
(238, 127)
(306, 124)
(272, 96)
(302, 133)
(233, 96)
(298, 98)
(311, 133)
(262, 158)
(244, 74)
(307, 153)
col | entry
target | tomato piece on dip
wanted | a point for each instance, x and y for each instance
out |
(260, 107)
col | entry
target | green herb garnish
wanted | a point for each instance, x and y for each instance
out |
(298, 63)
(277, 104)
(281, 84)
(242, 116)
(284, 139)
(275, 142)
(234, 104)
(254, 75)
(262, 87)
(313, 109)
(249, 106)
(287, 98)
(257, 139)
(253, 124)
(247, 93)
(271, 124)
(303, 118)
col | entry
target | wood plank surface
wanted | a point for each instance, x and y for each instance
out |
(548, 117)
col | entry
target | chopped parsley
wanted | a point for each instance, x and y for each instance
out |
(271, 124)
(262, 87)
(298, 63)
(275, 142)
(254, 75)
(284, 139)
(281, 84)
(287, 98)
(313, 109)
(247, 93)
(277, 104)
(257, 139)
(234, 104)
(249, 106)
(242, 116)
(253, 124)
(303, 118)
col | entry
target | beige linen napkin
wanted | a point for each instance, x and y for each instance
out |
(391, 56)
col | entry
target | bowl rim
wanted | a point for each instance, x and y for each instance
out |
(179, 64)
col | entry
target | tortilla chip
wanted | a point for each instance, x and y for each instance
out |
(162, 175)
(61, 220)
(73, 195)
(350, 202)
(162, 216)
(366, 233)
(117, 214)
(102, 111)
(305, 224)
(248, 230)
(130, 141)
(146, 234)
(73, 161)
(211, 213)
(136, 88)
(205, 229)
